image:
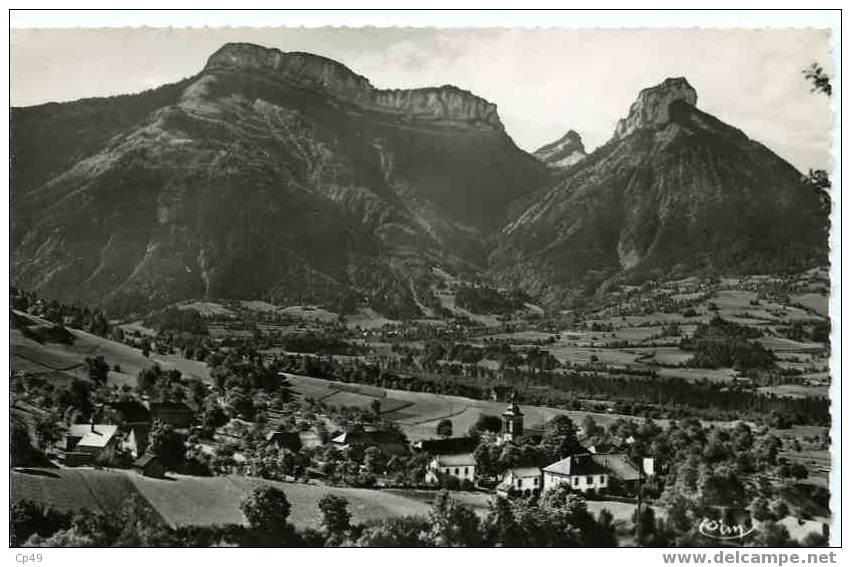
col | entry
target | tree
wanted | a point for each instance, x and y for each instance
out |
(374, 460)
(559, 440)
(167, 444)
(266, 509)
(444, 428)
(336, 517)
(28, 518)
(20, 447)
(819, 79)
(98, 369)
(501, 527)
(453, 524)
(406, 531)
(487, 422)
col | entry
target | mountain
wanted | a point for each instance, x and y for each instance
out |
(564, 152)
(269, 175)
(674, 192)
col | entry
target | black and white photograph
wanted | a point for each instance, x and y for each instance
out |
(278, 285)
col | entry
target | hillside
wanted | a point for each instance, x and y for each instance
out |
(675, 192)
(269, 175)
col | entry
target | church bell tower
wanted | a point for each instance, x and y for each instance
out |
(512, 421)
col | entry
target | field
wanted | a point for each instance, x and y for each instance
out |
(67, 361)
(185, 500)
(419, 412)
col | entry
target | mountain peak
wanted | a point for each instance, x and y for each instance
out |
(650, 110)
(307, 70)
(564, 152)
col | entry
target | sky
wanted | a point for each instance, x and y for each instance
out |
(544, 81)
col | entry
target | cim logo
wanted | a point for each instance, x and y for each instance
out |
(719, 529)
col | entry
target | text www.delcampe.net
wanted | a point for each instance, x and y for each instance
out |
(750, 557)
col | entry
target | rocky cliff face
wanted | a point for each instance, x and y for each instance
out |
(651, 108)
(564, 152)
(268, 175)
(446, 104)
(674, 192)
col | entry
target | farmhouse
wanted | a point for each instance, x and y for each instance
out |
(452, 457)
(462, 467)
(90, 441)
(613, 472)
(525, 481)
(580, 472)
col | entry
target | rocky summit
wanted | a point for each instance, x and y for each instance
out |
(673, 193)
(290, 178)
(283, 176)
(564, 152)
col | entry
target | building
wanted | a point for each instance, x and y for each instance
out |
(390, 442)
(448, 446)
(176, 414)
(284, 440)
(149, 465)
(512, 422)
(136, 441)
(90, 441)
(579, 472)
(462, 467)
(613, 472)
(523, 481)
(451, 457)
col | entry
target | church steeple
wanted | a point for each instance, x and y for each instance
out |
(512, 421)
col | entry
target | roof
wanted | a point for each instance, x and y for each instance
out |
(450, 446)
(466, 460)
(388, 441)
(309, 439)
(168, 406)
(619, 465)
(576, 465)
(131, 411)
(524, 472)
(145, 460)
(799, 528)
(97, 435)
(289, 439)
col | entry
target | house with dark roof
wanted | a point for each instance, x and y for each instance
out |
(390, 442)
(177, 414)
(280, 439)
(607, 471)
(149, 465)
(579, 472)
(448, 446)
(131, 412)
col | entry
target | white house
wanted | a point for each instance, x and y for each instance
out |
(580, 472)
(462, 467)
(526, 481)
(93, 439)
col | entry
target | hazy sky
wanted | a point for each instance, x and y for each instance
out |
(544, 81)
